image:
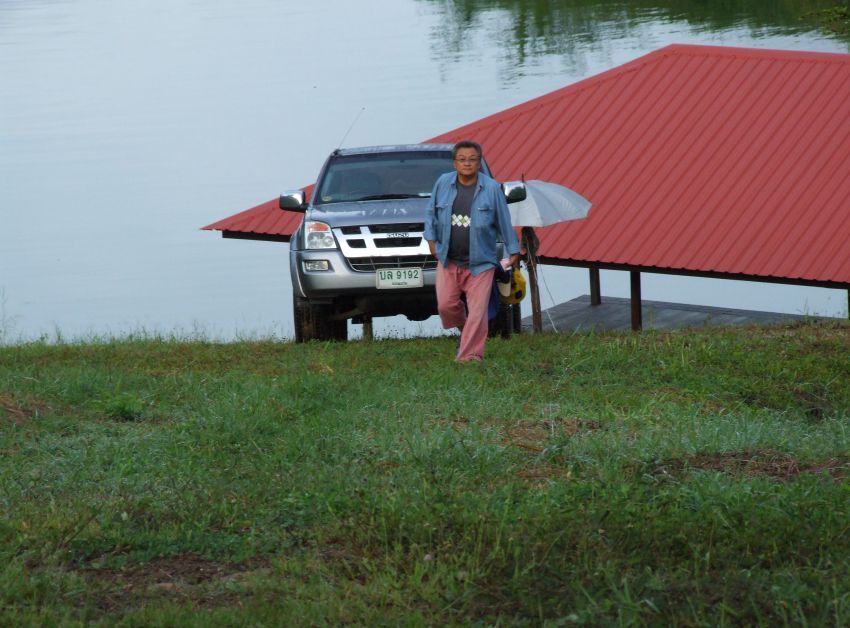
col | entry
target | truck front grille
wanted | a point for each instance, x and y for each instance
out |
(397, 228)
(371, 264)
(387, 243)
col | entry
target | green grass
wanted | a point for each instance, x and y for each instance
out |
(690, 478)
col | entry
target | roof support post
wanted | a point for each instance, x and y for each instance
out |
(595, 292)
(530, 242)
(637, 306)
(368, 332)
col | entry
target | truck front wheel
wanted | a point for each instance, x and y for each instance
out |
(314, 322)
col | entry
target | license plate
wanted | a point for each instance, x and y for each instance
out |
(399, 278)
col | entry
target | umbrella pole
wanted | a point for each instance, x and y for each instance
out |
(530, 241)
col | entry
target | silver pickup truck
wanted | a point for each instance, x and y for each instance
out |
(359, 252)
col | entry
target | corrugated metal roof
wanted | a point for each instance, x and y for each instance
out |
(698, 159)
(266, 219)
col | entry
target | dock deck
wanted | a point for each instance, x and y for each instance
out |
(614, 313)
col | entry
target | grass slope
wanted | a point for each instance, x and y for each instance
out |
(690, 478)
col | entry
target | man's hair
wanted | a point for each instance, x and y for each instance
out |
(467, 144)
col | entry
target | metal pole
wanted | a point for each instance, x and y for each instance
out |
(368, 333)
(637, 309)
(595, 290)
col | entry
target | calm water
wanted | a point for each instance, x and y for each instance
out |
(125, 127)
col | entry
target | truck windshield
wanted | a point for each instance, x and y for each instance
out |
(376, 176)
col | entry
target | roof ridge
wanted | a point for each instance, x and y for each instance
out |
(770, 53)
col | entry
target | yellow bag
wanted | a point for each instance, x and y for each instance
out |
(517, 288)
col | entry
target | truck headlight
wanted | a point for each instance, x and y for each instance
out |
(318, 235)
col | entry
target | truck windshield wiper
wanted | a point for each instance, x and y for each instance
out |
(378, 197)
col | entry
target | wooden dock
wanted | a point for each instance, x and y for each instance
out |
(614, 313)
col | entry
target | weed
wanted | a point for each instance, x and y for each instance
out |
(122, 406)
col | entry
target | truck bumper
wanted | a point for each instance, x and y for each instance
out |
(356, 290)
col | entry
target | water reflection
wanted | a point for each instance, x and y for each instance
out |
(525, 30)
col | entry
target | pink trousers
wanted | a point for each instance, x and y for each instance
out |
(452, 281)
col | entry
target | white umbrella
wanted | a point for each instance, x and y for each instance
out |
(545, 204)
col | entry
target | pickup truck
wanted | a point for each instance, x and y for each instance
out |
(359, 251)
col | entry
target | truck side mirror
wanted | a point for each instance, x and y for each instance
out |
(514, 191)
(293, 200)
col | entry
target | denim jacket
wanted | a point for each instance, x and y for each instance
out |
(489, 219)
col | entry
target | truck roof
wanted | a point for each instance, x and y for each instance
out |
(393, 148)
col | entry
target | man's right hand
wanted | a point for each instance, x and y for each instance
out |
(432, 245)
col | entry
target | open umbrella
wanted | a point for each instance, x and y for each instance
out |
(545, 204)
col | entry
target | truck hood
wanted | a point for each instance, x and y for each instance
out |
(391, 211)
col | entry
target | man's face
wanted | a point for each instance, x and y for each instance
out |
(467, 162)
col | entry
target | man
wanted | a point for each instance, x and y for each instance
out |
(465, 217)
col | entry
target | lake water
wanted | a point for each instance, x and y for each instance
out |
(127, 126)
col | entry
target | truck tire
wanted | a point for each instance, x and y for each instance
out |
(339, 330)
(503, 323)
(313, 322)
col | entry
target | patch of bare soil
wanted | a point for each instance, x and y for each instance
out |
(18, 412)
(540, 475)
(534, 435)
(675, 395)
(753, 463)
(321, 368)
(22, 414)
(186, 577)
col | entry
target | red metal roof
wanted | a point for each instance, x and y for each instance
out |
(698, 159)
(265, 221)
